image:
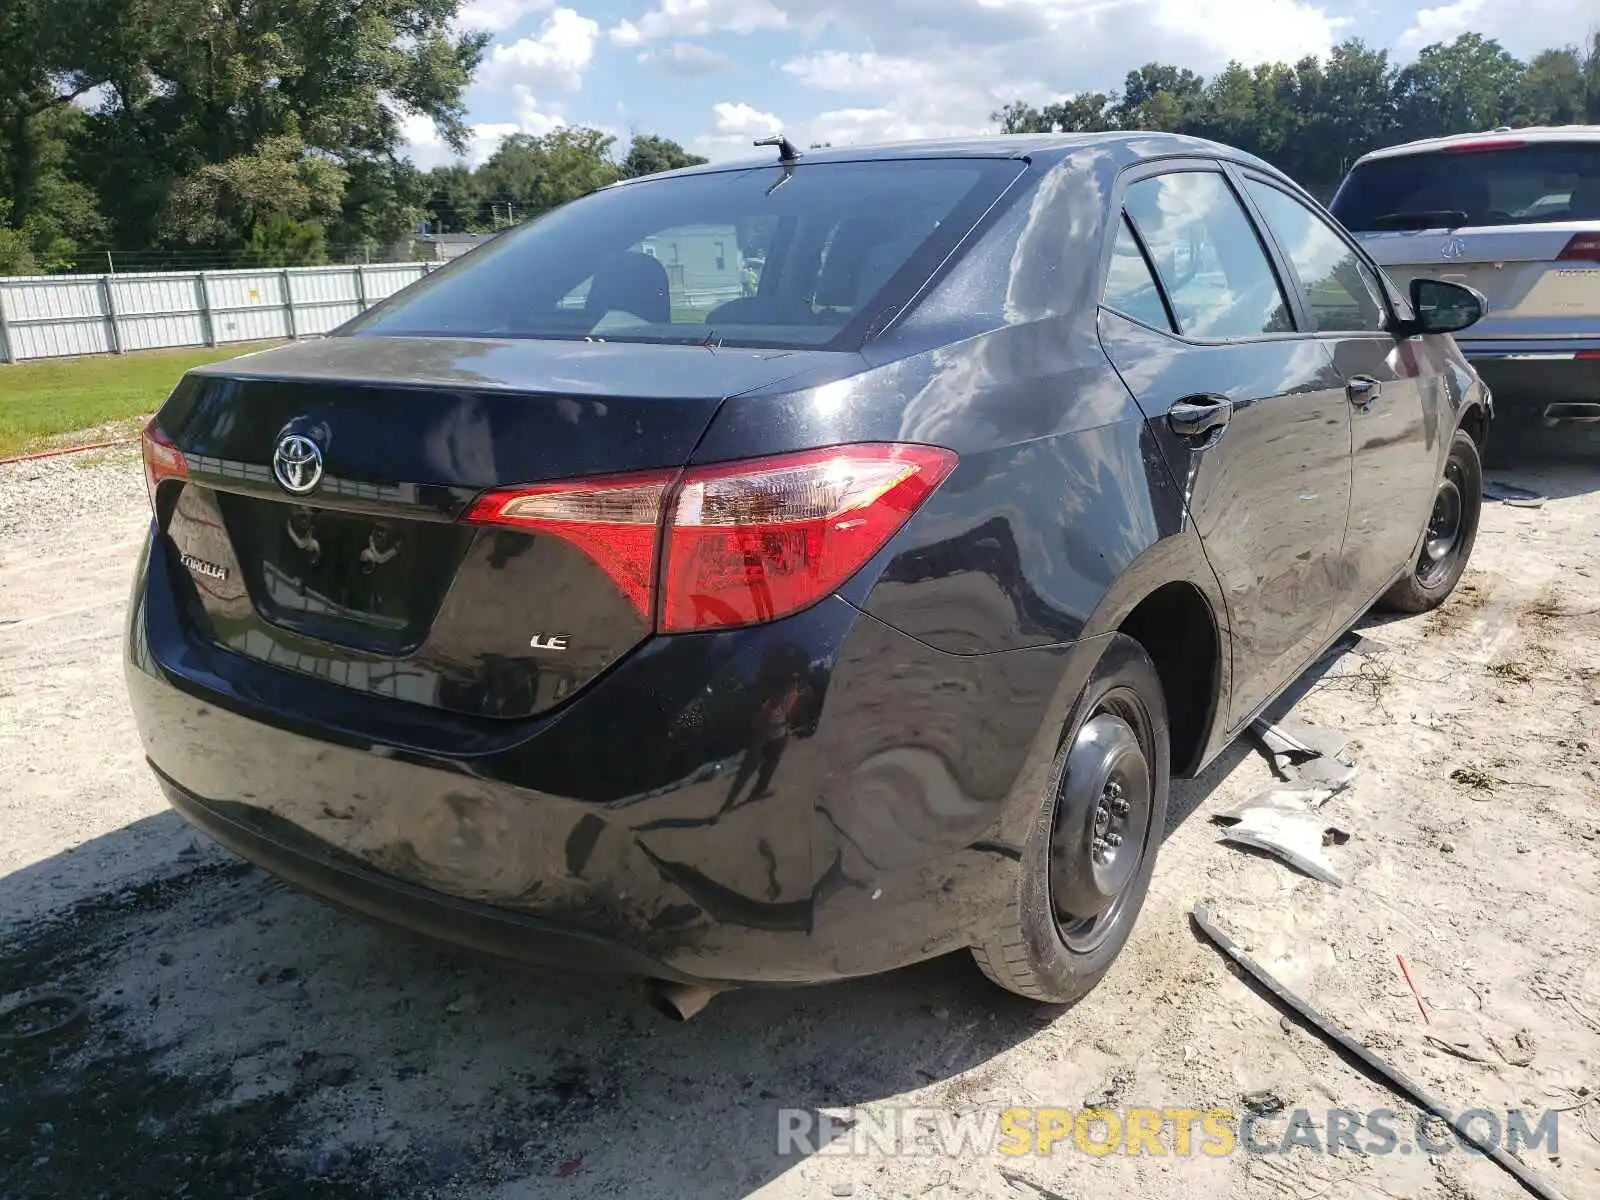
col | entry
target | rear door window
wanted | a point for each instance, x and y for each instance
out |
(1218, 277)
(1130, 288)
(1342, 294)
(1499, 181)
(756, 257)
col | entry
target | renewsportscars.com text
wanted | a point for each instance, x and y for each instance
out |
(1157, 1132)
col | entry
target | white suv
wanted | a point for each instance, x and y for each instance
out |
(1514, 214)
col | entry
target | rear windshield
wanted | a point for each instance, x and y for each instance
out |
(757, 257)
(1511, 185)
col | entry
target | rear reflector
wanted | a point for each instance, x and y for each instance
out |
(1584, 247)
(744, 542)
(162, 459)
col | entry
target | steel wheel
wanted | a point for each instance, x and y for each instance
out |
(1096, 826)
(1452, 531)
(1442, 542)
(1102, 823)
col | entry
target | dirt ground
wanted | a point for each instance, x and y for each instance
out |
(242, 1040)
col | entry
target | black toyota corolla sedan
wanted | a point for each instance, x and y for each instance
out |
(789, 570)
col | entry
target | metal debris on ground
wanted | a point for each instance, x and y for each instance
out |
(1304, 738)
(1358, 1055)
(1509, 493)
(1293, 798)
(1300, 752)
(1285, 822)
(1295, 837)
(1355, 643)
(1368, 646)
(1325, 771)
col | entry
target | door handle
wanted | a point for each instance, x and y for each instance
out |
(1200, 418)
(1363, 390)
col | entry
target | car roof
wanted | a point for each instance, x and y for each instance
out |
(1533, 135)
(1128, 146)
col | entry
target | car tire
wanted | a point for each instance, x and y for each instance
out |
(1449, 536)
(1049, 944)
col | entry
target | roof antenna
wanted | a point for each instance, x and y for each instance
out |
(787, 154)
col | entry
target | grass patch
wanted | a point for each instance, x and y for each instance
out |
(61, 402)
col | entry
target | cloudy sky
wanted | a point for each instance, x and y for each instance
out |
(714, 74)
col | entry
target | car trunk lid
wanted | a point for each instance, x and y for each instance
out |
(370, 579)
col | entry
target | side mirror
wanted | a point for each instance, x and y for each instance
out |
(1443, 307)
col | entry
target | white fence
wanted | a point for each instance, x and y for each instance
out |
(50, 316)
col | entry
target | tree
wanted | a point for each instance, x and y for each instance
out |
(538, 173)
(1229, 110)
(650, 154)
(1348, 108)
(1468, 84)
(1019, 117)
(204, 86)
(455, 199)
(16, 249)
(63, 214)
(1092, 112)
(280, 241)
(1553, 90)
(280, 195)
(1315, 118)
(529, 175)
(1591, 80)
(382, 205)
(272, 128)
(52, 52)
(1158, 97)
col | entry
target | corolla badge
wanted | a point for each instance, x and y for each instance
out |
(297, 464)
(1454, 249)
(201, 567)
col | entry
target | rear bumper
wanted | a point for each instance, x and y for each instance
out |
(651, 826)
(344, 881)
(1528, 377)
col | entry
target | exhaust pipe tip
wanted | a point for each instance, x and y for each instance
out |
(677, 1001)
(1585, 412)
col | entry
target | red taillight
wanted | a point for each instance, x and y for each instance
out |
(614, 521)
(1584, 247)
(751, 542)
(744, 542)
(162, 459)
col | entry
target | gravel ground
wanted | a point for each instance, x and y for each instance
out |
(243, 1040)
(69, 530)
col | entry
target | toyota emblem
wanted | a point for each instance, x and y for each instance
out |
(1454, 248)
(297, 464)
